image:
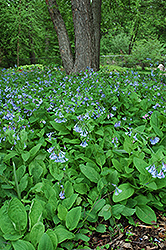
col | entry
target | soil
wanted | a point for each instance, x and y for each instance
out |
(127, 236)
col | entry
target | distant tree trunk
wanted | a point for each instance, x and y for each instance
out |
(18, 38)
(86, 19)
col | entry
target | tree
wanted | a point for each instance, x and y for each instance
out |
(86, 19)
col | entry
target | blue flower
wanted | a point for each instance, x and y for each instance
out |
(62, 195)
(84, 144)
(114, 108)
(117, 124)
(154, 140)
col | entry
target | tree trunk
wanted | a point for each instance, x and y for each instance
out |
(86, 19)
(63, 39)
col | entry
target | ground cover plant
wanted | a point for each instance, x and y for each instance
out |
(78, 151)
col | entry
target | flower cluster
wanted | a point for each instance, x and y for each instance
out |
(154, 172)
(57, 157)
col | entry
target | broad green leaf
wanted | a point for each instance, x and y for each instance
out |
(128, 145)
(81, 188)
(128, 211)
(152, 186)
(81, 236)
(127, 191)
(35, 149)
(68, 202)
(162, 118)
(10, 155)
(23, 135)
(117, 165)
(106, 212)
(98, 205)
(17, 214)
(6, 224)
(101, 228)
(53, 238)
(100, 159)
(12, 237)
(68, 189)
(145, 214)
(55, 171)
(117, 209)
(22, 245)
(90, 173)
(20, 172)
(35, 170)
(158, 131)
(62, 212)
(23, 182)
(73, 217)
(154, 119)
(140, 165)
(25, 156)
(63, 234)
(45, 243)
(59, 127)
(36, 233)
(35, 213)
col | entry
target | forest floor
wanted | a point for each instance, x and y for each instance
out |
(126, 236)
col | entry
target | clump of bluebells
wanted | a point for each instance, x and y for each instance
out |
(80, 148)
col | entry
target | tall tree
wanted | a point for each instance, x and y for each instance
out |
(86, 19)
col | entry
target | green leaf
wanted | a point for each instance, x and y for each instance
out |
(117, 165)
(63, 234)
(127, 191)
(35, 170)
(53, 238)
(81, 188)
(100, 159)
(140, 165)
(35, 149)
(59, 127)
(23, 182)
(101, 228)
(90, 173)
(73, 217)
(81, 236)
(117, 209)
(10, 155)
(62, 212)
(12, 237)
(98, 205)
(128, 211)
(22, 245)
(35, 213)
(45, 243)
(68, 202)
(6, 224)
(17, 214)
(158, 131)
(154, 119)
(68, 189)
(36, 233)
(106, 212)
(146, 214)
(25, 156)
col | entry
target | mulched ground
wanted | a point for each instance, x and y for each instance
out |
(126, 236)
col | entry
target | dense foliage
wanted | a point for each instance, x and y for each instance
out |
(28, 36)
(76, 151)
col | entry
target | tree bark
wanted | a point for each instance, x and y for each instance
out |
(86, 19)
(63, 39)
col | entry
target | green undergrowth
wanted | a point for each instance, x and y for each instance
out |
(76, 152)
